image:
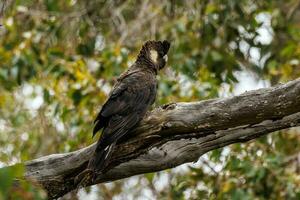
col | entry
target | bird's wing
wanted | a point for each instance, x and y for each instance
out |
(125, 107)
(129, 100)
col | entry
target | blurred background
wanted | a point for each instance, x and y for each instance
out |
(59, 60)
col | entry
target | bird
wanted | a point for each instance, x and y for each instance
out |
(131, 97)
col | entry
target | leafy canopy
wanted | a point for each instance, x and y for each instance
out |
(59, 60)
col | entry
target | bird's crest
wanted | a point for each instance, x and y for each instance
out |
(159, 46)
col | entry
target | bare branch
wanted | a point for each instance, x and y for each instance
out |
(178, 133)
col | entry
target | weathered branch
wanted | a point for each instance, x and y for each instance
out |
(178, 133)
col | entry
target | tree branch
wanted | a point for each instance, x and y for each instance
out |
(177, 133)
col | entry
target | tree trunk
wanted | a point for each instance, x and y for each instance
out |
(177, 133)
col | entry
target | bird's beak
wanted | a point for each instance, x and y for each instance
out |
(165, 57)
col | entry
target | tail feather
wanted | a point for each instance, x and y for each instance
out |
(105, 146)
(102, 155)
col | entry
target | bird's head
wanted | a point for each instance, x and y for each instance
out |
(155, 53)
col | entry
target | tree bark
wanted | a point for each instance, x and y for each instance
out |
(177, 133)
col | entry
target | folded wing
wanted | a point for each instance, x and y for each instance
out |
(125, 107)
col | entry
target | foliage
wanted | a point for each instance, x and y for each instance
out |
(21, 190)
(59, 59)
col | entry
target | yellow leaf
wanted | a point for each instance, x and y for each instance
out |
(2, 100)
(117, 50)
(227, 186)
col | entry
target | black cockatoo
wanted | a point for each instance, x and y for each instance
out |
(128, 102)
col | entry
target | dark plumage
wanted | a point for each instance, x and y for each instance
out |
(128, 102)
